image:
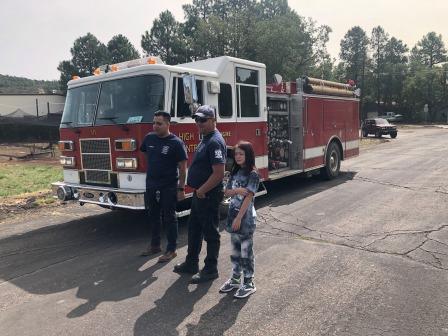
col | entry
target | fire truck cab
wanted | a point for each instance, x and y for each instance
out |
(295, 127)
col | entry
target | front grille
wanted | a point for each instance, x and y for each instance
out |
(95, 146)
(97, 176)
(96, 163)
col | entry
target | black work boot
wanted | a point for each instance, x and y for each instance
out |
(186, 267)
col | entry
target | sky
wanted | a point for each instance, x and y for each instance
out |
(36, 35)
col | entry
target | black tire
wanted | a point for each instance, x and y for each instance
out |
(393, 135)
(378, 134)
(332, 162)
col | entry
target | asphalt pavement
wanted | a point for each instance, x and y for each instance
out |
(365, 254)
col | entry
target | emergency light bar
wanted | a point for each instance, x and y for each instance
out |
(128, 64)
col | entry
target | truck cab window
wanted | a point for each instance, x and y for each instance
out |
(182, 109)
(225, 101)
(130, 100)
(80, 106)
(247, 89)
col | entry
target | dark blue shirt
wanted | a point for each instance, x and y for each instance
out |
(210, 151)
(163, 154)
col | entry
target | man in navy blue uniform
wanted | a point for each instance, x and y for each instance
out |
(165, 183)
(205, 176)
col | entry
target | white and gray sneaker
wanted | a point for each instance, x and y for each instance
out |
(230, 285)
(245, 290)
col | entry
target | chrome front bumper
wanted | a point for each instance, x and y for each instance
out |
(124, 198)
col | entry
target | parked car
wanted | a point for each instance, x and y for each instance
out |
(392, 116)
(378, 127)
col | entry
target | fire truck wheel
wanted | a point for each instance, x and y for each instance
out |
(393, 135)
(332, 162)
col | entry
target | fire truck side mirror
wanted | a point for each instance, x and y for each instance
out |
(190, 90)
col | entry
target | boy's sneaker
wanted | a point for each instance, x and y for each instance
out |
(245, 290)
(230, 285)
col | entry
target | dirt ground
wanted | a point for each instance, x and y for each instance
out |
(29, 152)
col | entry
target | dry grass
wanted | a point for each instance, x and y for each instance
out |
(26, 185)
(21, 178)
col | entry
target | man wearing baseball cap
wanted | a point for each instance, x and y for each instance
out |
(205, 176)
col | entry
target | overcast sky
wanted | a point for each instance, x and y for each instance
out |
(36, 35)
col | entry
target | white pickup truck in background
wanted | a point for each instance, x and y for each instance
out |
(392, 116)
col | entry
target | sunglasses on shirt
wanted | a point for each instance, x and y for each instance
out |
(201, 119)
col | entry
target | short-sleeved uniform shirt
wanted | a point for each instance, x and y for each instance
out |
(163, 155)
(210, 151)
(250, 182)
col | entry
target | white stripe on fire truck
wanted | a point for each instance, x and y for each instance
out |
(138, 180)
(314, 152)
(352, 144)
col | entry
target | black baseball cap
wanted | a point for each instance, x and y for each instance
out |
(204, 111)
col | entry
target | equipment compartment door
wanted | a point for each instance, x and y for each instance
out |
(278, 134)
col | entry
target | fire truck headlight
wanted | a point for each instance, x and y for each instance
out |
(65, 145)
(126, 163)
(67, 161)
(125, 145)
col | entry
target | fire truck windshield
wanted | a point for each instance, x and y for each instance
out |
(120, 101)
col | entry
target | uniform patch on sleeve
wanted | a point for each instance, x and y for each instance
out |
(218, 154)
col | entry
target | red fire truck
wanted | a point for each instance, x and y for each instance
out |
(306, 126)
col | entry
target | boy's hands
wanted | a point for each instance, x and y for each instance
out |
(236, 224)
(241, 191)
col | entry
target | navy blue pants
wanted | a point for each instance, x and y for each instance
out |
(161, 203)
(203, 225)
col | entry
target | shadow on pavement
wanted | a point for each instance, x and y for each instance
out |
(296, 188)
(176, 304)
(219, 318)
(99, 256)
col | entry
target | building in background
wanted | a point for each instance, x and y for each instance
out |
(37, 105)
(30, 117)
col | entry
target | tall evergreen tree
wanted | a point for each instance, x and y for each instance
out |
(354, 47)
(88, 53)
(430, 50)
(67, 70)
(395, 72)
(165, 39)
(121, 49)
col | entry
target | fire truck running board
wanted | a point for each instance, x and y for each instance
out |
(274, 175)
(261, 190)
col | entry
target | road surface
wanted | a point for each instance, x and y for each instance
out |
(365, 254)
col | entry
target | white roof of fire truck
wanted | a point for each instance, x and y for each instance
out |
(215, 67)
